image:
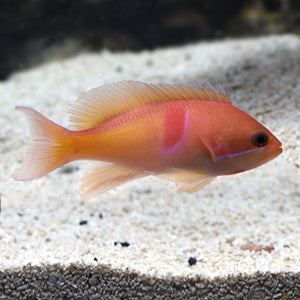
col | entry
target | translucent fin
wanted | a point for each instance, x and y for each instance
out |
(108, 101)
(187, 180)
(104, 177)
(194, 186)
(45, 152)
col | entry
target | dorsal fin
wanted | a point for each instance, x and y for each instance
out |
(105, 102)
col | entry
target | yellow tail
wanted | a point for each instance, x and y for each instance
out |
(45, 153)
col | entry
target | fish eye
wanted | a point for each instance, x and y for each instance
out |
(259, 139)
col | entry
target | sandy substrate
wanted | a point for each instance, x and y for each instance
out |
(54, 244)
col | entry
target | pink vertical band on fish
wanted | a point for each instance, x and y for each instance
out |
(187, 134)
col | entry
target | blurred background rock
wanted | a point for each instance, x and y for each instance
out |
(34, 31)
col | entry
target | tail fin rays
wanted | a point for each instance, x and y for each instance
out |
(45, 153)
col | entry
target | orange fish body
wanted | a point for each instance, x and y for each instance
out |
(187, 134)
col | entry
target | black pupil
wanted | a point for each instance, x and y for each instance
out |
(259, 139)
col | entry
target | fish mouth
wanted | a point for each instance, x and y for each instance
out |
(277, 148)
(278, 151)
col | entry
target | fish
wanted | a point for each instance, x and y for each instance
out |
(184, 133)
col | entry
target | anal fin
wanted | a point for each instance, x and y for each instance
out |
(188, 181)
(105, 177)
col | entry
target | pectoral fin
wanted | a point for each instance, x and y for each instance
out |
(105, 177)
(188, 181)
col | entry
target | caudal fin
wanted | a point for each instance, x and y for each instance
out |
(45, 153)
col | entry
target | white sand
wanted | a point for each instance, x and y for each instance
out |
(40, 219)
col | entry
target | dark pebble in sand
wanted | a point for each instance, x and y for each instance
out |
(119, 69)
(68, 169)
(123, 244)
(192, 261)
